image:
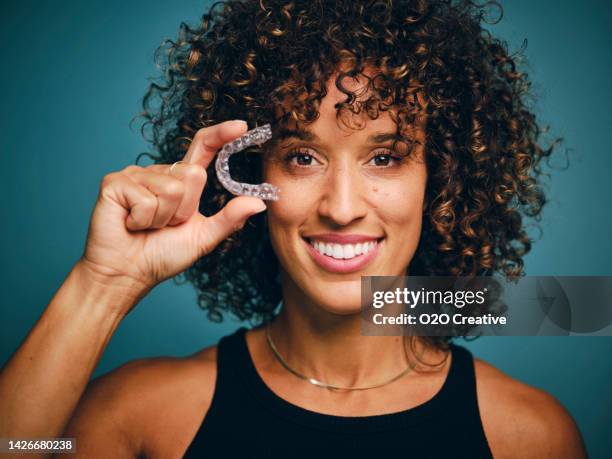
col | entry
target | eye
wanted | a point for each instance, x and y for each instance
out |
(300, 158)
(386, 158)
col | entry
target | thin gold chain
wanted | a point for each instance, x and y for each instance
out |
(318, 383)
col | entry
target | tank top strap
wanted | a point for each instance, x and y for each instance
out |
(228, 400)
(230, 362)
(228, 353)
(462, 375)
(466, 404)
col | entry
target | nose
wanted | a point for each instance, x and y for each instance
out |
(342, 198)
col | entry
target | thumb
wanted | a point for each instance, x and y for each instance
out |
(231, 218)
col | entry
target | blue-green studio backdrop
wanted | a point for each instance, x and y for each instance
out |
(73, 74)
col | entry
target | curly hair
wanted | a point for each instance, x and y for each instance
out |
(483, 151)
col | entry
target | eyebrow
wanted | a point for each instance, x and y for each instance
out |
(307, 136)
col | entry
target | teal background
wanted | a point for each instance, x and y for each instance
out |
(73, 74)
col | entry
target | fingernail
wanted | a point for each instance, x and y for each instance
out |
(239, 122)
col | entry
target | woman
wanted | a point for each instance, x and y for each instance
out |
(402, 145)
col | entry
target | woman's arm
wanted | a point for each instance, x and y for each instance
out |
(43, 381)
(145, 228)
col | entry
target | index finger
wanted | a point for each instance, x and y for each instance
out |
(207, 141)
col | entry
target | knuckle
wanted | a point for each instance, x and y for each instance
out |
(149, 202)
(205, 241)
(195, 170)
(132, 168)
(108, 179)
(200, 134)
(136, 223)
(174, 189)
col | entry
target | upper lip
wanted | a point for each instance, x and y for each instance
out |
(342, 238)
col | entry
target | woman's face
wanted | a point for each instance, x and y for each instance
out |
(350, 206)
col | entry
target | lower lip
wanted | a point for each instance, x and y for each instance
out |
(335, 265)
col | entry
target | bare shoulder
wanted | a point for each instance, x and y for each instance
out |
(151, 407)
(523, 421)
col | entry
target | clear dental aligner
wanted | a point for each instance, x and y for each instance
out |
(255, 136)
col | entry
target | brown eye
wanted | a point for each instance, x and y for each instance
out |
(299, 158)
(386, 159)
(382, 160)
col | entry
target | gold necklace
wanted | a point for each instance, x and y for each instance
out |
(318, 383)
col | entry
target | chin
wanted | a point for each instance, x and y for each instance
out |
(342, 298)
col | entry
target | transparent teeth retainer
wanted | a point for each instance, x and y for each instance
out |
(255, 136)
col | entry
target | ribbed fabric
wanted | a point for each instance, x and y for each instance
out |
(247, 419)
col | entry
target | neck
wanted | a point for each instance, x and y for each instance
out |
(330, 347)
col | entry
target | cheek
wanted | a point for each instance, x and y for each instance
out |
(296, 204)
(287, 215)
(399, 202)
(400, 207)
(287, 212)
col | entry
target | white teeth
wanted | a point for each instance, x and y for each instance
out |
(343, 251)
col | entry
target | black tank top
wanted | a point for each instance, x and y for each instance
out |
(247, 419)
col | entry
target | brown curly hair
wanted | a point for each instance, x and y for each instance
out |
(247, 58)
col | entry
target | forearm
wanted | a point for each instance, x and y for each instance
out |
(41, 384)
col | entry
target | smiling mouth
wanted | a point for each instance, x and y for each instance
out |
(344, 251)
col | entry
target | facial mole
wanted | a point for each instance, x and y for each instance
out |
(375, 189)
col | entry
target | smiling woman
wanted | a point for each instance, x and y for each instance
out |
(352, 184)
(401, 144)
(440, 88)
